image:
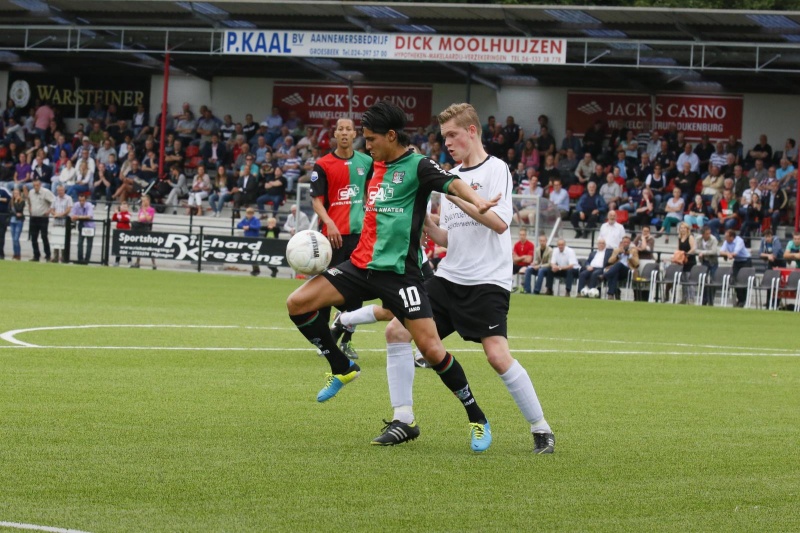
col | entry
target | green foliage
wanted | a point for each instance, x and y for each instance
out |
(667, 417)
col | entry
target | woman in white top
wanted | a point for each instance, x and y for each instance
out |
(201, 186)
(675, 208)
(67, 177)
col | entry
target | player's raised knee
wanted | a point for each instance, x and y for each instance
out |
(396, 332)
(296, 304)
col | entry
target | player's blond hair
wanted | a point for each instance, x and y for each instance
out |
(463, 114)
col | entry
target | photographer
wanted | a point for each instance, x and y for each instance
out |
(623, 259)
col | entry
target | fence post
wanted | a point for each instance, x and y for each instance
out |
(200, 251)
(67, 239)
(191, 221)
(106, 237)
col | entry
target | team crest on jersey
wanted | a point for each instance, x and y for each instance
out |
(314, 176)
(475, 186)
(397, 177)
(361, 171)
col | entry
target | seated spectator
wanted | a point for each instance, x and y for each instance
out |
(567, 164)
(104, 183)
(698, 212)
(214, 152)
(131, 183)
(83, 182)
(703, 151)
(563, 264)
(726, 214)
(548, 172)
(611, 191)
(774, 203)
(598, 176)
(560, 198)
(530, 155)
(734, 147)
(176, 187)
(634, 195)
(545, 143)
(623, 259)
(274, 192)
(761, 151)
(222, 191)
(771, 250)
(645, 243)
(292, 166)
(149, 167)
(686, 181)
(674, 216)
(592, 272)
(656, 182)
(719, 157)
(570, 142)
(792, 252)
(611, 231)
(542, 255)
(584, 169)
(667, 159)
(691, 157)
(199, 191)
(185, 128)
(768, 180)
(787, 176)
(759, 171)
(522, 253)
(589, 210)
(712, 186)
(296, 221)
(643, 216)
(733, 249)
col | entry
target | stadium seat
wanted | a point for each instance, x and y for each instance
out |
(575, 191)
(793, 284)
(646, 280)
(770, 285)
(623, 216)
(695, 281)
(719, 281)
(745, 279)
(671, 282)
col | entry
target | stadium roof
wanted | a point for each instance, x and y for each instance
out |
(652, 49)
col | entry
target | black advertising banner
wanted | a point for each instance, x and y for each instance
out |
(215, 248)
(65, 92)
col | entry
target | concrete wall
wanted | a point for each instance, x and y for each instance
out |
(778, 116)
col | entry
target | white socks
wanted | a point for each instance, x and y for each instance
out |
(519, 384)
(364, 315)
(400, 374)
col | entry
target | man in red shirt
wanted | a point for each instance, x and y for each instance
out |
(523, 251)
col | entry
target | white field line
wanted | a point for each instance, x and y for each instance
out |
(10, 337)
(34, 527)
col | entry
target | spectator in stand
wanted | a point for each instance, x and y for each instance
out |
(560, 198)
(185, 128)
(790, 151)
(541, 261)
(598, 177)
(643, 216)
(787, 176)
(144, 223)
(645, 243)
(122, 217)
(545, 143)
(176, 188)
(17, 221)
(249, 128)
(719, 157)
(292, 167)
(729, 168)
(584, 169)
(570, 142)
(595, 266)
(611, 191)
(82, 214)
(792, 252)
(759, 171)
(199, 191)
(296, 221)
(563, 264)
(771, 250)
(667, 159)
(774, 204)
(40, 201)
(274, 193)
(712, 186)
(593, 140)
(733, 146)
(22, 173)
(753, 214)
(511, 158)
(513, 133)
(214, 152)
(746, 197)
(630, 146)
(623, 259)
(549, 172)
(567, 165)
(222, 191)
(522, 254)
(611, 231)
(207, 126)
(697, 214)
(766, 182)
(530, 155)
(103, 185)
(686, 181)
(487, 131)
(589, 210)
(761, 151)
(704, 150)
(5, 218)
(733, 249)
(653, 145)
(251, 226)
(726, 214)
(657, 182)
(42, 117)
(691, 157)
(246, 190)
(271, 230)
(274, 124)
(84, 179)
(675, 208)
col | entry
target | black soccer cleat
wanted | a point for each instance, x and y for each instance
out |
(543, 443)
(337, 328)
(396, 432)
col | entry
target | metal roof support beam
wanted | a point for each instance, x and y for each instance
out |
(598, 56)
(515, 25)
(469, 75)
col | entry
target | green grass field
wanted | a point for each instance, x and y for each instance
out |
(666, 417)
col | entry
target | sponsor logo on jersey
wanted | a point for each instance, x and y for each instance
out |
(314, 176)
(397, 177)
(351, 191)
(380, 193)
(334, 271)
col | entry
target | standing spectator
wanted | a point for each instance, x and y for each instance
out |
(251, 226)
(272, 230)
(17, 220)
(6, 212)
(42, 117)
(296, 221)
(144, 223)
(733, 249)
(522, 254)
(83, 214)
(40, 201)
(62, 208)
(123, 219)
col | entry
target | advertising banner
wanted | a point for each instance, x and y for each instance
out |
(717, 116)
(409, 47)
(215, 248)
(69, 94)
(317, 101)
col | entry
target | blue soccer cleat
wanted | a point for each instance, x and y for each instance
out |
(481, 436)
(335, 382)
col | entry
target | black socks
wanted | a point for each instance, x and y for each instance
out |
(316, 330)
(452, 375)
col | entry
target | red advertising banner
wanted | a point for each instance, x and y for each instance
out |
(717, 116)
(314, 102)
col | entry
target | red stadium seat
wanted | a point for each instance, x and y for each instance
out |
(575, 191)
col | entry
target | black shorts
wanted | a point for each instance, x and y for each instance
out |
(349, 243)
(402, 294)
(427, 270)
(474, 311)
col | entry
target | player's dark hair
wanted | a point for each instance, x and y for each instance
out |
(385, 116)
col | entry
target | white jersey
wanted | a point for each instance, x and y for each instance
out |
(477, 254)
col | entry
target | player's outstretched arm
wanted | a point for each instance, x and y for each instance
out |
(437, 234)
(333, 232)
(462, 190)
(490, 219)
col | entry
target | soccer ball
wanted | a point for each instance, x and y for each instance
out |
(594, 293)
(585, 292)
(309, 252)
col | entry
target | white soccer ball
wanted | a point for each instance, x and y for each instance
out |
(585, 292)
(309, 252)
(594, 293)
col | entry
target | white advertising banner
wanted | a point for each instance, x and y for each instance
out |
(410, 47)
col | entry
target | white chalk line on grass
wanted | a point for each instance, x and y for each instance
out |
(34, 527)
(10, 336)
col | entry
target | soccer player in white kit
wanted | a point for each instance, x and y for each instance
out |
(470, 292)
